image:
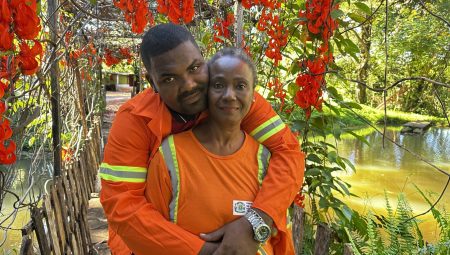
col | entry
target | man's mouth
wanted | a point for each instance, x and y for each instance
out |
(192, 97)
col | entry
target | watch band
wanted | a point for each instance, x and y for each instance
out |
(261, 230)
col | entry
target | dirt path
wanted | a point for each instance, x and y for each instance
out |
(96, 217)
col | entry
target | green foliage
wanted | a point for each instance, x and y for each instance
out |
(398, 232)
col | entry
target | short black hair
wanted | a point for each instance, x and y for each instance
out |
(161, 39)
(238, 53)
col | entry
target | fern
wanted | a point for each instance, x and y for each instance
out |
(376, 245)
(391, 227)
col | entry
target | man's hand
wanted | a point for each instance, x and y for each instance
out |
(236, 237)
(209, 248)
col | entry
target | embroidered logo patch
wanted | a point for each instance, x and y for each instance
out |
(241, 207)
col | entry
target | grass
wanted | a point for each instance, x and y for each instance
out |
(375, 116)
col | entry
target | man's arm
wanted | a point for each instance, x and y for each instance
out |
(287, 163)
(123, 173)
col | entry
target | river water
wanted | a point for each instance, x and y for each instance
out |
(393, 170)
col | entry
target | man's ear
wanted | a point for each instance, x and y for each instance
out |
(149, 79)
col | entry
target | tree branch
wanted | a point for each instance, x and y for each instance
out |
(433, 14)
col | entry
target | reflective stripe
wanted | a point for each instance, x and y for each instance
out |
(170, 157)
(267, 129)
(261, 251)
(263, 162)
(123, 173)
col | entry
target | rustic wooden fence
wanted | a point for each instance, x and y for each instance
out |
(60, 222)
(323, 238)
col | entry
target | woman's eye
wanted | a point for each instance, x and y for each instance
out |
(217, 85)
(241, 85)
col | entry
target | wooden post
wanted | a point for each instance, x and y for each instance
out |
(38, 220)
(298, 228)
(348, 249)
(323, 237)
(52, 13)
(239, 24)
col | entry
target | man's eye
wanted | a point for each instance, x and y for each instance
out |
(168, 80)
(195, 68)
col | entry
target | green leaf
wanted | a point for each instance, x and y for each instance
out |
(352, 105)
(360, 138)
(332, 155)
(31, 141)
(350, 46)
(93, 2)
(314, 158)
(336, 14)
(356, 17)
(313, 171)
(323, 203)
(363, 7)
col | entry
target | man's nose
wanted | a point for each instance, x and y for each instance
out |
(189, 83)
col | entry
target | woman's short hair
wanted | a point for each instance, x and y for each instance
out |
(237, 53)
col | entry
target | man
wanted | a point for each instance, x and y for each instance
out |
(179, 74)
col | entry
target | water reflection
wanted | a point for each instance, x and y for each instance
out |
(394, 170)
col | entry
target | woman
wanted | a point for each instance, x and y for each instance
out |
(207, 177)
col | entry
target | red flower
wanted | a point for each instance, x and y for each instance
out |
(110, 59)
(26, 22)
(27, 57)
(7, 153)
(5, 12)
(299, 200)
(6, 37)
(3, 87)
(222, 28)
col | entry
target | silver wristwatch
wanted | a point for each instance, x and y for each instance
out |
(261, 230)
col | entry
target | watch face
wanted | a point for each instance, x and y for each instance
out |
(262, 233)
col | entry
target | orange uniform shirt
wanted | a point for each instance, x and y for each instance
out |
(207, 186)
(137, 131)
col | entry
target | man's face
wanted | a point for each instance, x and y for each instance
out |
(181, 77)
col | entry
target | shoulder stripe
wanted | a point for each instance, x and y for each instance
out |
(124, 168)
(267, 129)
(263, 162)
(123, 173)
(170, 157)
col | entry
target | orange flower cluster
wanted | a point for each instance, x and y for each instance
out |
(223, 27)
(19, 17)
(178, 11)
(320, 25)
(310, 84)
(136, 13)
(277, 87)
(115, 58)
(318, 18)
(277, 33)
(270, 4)
(7, 152)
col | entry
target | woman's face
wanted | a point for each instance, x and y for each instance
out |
(230, 92)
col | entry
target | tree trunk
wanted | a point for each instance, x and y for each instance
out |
(363, 73)
(52, 12)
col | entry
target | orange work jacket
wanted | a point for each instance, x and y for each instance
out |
(136, 133)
